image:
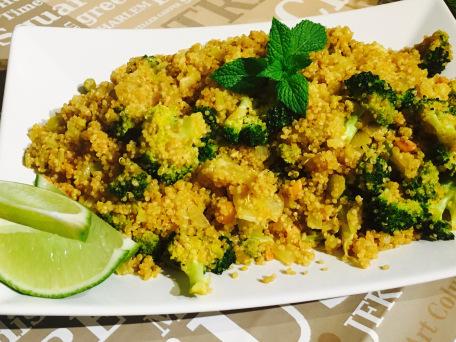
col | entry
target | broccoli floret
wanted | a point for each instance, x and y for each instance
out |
(209, 149)
(434, 230)
(124, 128)
(443, 207)
(88, 85)
(195, 252)
(229, 257)
(255, 243)
(440, 214)
(254, 134)
(168, 175)
(389, 211)
(438, 118)
(408, 99)
(452, 94)
(435, 52)
(422, 188)
(170, 144)
(444, 159)
(152, 60)
(278, 117)
(152, 244)
(284, 161)
(149, 243)
(374, 95)
(125, 186)
(210, 117)
(289, 153)
(244, 127)
(372, 173)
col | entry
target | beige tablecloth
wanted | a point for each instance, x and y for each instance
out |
(418, 313)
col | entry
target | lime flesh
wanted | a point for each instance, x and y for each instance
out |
(44, 210)
(43, 264)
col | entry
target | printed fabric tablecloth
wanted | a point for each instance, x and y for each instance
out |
(418, 313)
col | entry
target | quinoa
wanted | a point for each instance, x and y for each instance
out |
(237, 193)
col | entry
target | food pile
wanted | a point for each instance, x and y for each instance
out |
(262, 147)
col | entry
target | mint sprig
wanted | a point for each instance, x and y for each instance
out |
(290, 92)
(287, 54)
(240, 75)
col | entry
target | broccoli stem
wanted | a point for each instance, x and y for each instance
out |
(198, 282)
(350, 128)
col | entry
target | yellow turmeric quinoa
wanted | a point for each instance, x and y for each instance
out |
(278, 200)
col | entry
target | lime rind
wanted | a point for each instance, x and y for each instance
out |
(44, 209)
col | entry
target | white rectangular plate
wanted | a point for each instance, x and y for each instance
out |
(47, 64)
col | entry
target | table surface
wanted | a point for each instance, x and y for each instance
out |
(425, 312)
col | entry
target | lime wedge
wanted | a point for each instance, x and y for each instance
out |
(44, 210)
(38, 263)
(42, 182)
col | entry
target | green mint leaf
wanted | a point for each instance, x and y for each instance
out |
(273, 71)
(306, 37)
(240, 75)
(298, 62)
(279, 41)
(292, 91)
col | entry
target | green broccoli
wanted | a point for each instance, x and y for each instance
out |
(168, 176)
(389, 211)
(88, 85)
(229, 257)
(152, 60)
(435, 52)
(440, 214)
(444, 159)
(255, 242)
(434, 230)
(244, 127)
(445, 203)
(170, 144)
(197, 251)
(374, 95)
(452, 94)
(149, 243)
(195, 273)
(422, 188)
(284, 161)
(153, 244)
(438, 119)
(372, 173)
(126, 187)
(408, 99)
(278, 117)
(124, 128)
(209, 147)
(210, 117)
